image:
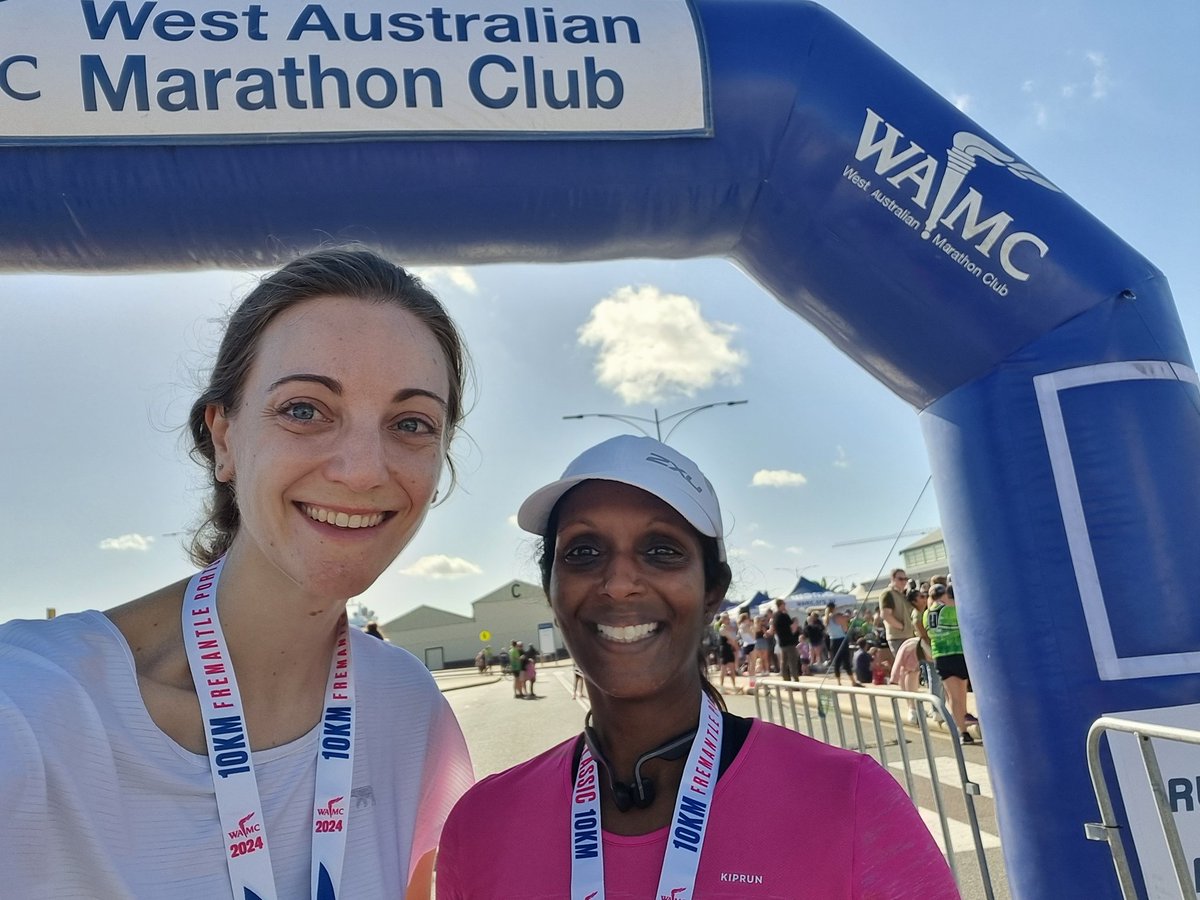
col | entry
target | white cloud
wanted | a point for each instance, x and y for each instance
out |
(841, 462)
(653, 345)
(760, 543)
(961, 101)
(458, 276)
(1040, 114)
(777, 478)
(1097, 85)
(737, 553)
(1100, 78)
(1027, 86)
(440, 566)
(128, 542)
(795, 551)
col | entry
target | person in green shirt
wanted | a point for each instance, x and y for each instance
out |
(517, 666)
(941, 623)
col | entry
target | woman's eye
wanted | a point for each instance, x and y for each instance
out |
(580, 553)
(663, 551)
(412, 425)
(300, 411)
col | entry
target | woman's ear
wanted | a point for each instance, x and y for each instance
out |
(218, 426)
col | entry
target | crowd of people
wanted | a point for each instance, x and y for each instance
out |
(206, 740)
(518, 662)
(910, 639)
(778, 643)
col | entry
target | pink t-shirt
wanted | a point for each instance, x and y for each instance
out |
(509, 836)
(906, 660)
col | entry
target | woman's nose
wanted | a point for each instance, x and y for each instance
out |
(621, 577)
(360, 459)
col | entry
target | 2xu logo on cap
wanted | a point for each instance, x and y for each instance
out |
(660, 460)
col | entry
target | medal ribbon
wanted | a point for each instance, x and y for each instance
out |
(685, 839)
(243, 831)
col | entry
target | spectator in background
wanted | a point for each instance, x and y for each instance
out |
(906, 673)
(787, 636)
(878, 629)
(881, 663)
(772, 644)
(897, 611)
(804, 654)
(745, 634)
(837, 626)
(728, 664)
(858, 626)
(814, 633)
(727, 629)
(760, 659)
(928, 671)
(941, 621)
(862, 662)
(517, 666)
(529, 670)
(372, 629)
(578, 686)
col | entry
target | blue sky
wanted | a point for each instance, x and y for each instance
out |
(1098, 96)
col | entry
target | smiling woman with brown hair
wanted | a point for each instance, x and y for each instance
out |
(203, 740)
(649, 801)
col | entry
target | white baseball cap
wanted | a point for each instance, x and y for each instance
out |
(641, 462)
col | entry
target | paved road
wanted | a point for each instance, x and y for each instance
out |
(502, 731)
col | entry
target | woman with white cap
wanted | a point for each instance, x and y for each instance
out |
(647, 802)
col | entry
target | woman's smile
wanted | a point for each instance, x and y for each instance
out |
(627, 634)
(342, 519)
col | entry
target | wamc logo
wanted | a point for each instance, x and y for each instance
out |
(911, 167)
(245, 828)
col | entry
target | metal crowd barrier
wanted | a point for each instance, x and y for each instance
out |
(817, 705)
(1108, 829)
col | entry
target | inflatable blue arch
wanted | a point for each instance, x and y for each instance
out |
(1061, 418)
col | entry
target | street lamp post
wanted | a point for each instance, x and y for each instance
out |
(797, 572)
(658, 421)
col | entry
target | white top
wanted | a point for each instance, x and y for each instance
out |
(746, 632)
(100, 803)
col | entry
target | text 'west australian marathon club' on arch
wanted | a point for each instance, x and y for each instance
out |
(283, 60)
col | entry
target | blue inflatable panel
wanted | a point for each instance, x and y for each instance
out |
(1030, 629)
